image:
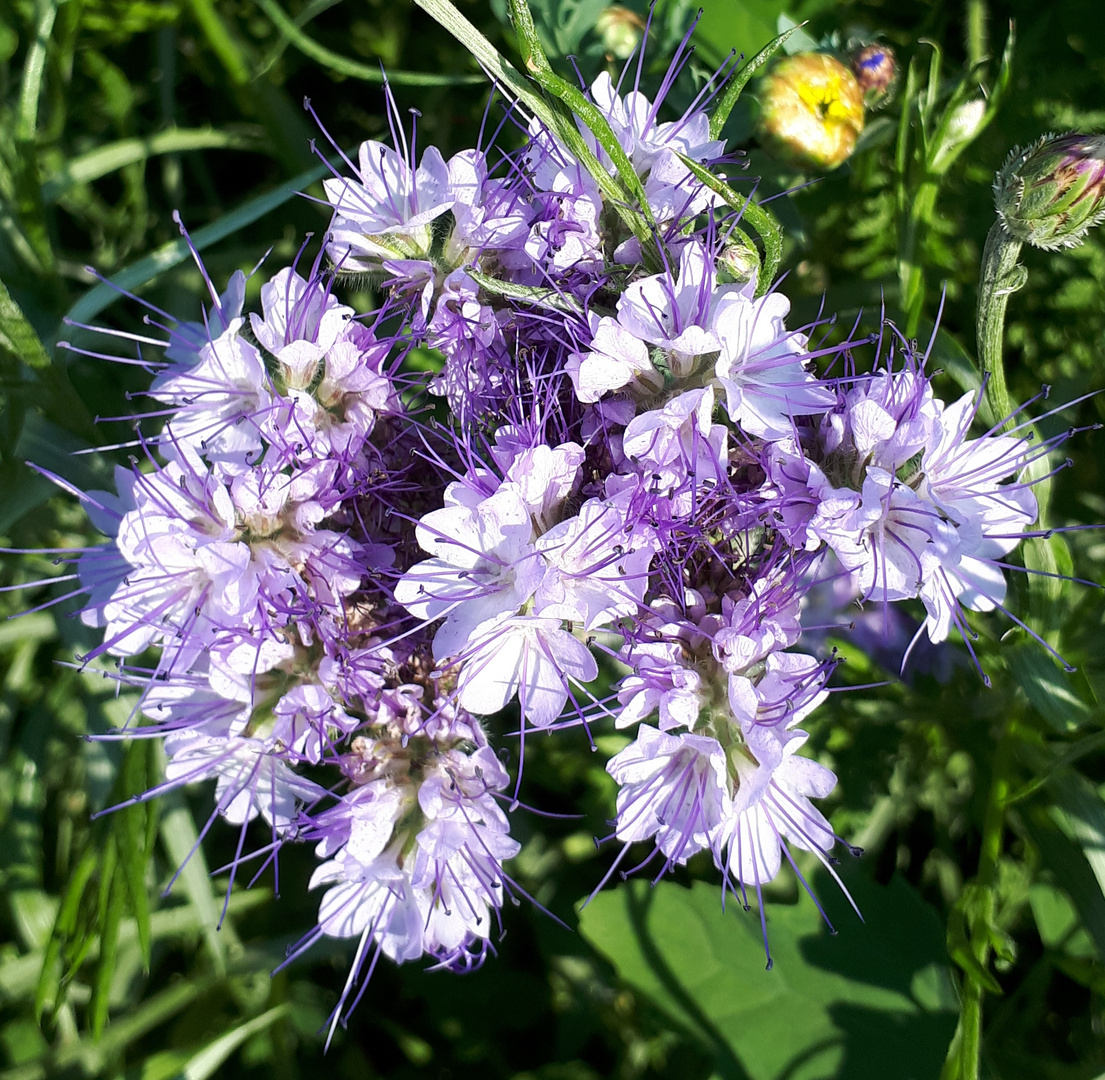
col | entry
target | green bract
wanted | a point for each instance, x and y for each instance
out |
(1050, 194)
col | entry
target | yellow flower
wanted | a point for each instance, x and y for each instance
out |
(812, 111)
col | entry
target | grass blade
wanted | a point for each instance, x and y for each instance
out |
(212, 1056)
(102, 296)
(116, 155)
(351, 68)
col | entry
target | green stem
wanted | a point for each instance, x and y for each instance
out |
(221, 42)
(344, 66)
(977, 45)
(1000, 275)
(911, 276)
(964, 1057)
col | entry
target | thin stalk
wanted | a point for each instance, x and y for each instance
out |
(965, 1055)
(28, 195)
(911, 277)
(978, 47)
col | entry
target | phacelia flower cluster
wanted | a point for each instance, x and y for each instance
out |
(333, 575)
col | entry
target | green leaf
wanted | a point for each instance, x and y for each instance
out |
(538, 297)
(17, 337)
(204, 1064)
(178, 834)
(54, 394)
(551, 113)
(746, 26)
(1057, 921)
(1067, 863)
(28, 196)
(973, 909)
(1081, 811)
(738, 80)
(1047, 687)
(113, 156)
(111, 916)
(578, 105)
(506, 76)
(131, 831)
(751, 212)
(46, 993)
(830, 1007)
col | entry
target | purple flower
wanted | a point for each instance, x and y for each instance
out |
(673, 788)
(524, 655)
(761, 365)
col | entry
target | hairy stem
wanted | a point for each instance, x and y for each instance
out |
(1000, 275)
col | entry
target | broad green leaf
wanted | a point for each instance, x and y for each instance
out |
(52, 447)
(746, 27)
(1046, 558)
(1067, 863)
(50, 388)
(1057, 921)
(874, 1001)
(563, 24)
(1080, 810)
(1047, 687)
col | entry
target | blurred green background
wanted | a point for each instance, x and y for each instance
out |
(980, 810)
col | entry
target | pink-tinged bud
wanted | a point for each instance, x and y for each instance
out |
(876, 71)
(812, 111)
(1051, 194)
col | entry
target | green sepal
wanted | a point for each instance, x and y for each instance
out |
(537, 296)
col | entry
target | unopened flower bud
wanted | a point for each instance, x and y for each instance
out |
(876, 71)
(812, 111)
(620, 30)
(964, 124)
(738, 262)
(1050, 194)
